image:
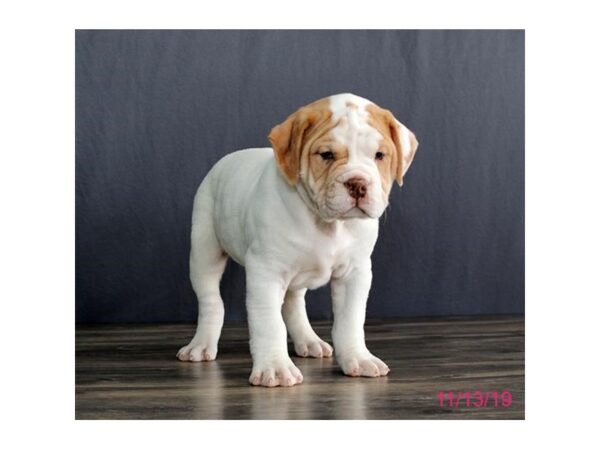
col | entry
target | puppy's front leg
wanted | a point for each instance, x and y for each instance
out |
(349, 298)
(271, 364)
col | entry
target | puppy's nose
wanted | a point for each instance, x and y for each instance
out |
(357, 187)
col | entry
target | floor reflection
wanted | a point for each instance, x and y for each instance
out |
(208, 388)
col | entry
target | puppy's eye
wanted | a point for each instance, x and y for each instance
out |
(379, 156)
(327, 156)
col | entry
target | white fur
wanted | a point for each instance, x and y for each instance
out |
(362, 141)
(246, 210)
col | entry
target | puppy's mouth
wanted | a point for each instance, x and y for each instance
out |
(355, 209)
(362, 211)
(356, 212)
(366, 213)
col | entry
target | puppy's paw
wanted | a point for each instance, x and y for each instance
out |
(314, 348)
(195, 352)
(363, 365)
(279, 373)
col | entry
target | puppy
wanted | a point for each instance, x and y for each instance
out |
(297, 216)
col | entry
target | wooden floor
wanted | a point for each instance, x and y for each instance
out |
(130, 372)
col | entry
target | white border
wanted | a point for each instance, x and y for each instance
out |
(37, 189)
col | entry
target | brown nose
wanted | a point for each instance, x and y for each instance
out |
(357, 187)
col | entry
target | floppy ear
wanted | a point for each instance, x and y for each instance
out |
(406, 146)
(286, 139)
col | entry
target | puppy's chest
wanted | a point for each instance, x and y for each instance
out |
(315, 267)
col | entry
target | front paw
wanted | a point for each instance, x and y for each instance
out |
(195, 352)
(314, 348)
(363, 365)
(281, 372)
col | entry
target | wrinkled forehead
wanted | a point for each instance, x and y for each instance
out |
(353, 123)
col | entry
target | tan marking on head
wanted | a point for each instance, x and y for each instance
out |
(321, 169)
(292, 137)
(404, 145)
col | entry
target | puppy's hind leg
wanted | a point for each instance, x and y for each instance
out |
(207, 264)
(306, 341)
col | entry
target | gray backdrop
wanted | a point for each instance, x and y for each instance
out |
(156, 109)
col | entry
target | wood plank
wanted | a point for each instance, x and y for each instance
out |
(130, 372)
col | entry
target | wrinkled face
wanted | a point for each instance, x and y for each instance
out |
(343, 153)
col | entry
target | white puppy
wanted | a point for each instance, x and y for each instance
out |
(296, 216)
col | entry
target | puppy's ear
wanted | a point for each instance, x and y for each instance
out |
(287, 139)
(406, 145)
